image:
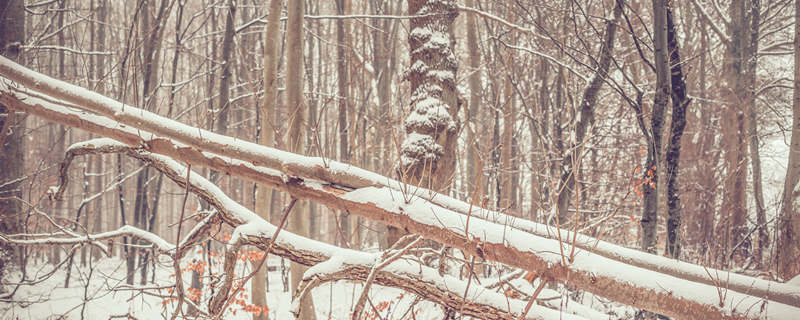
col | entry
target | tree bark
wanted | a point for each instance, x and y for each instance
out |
(296, 136)
(343, 99)
(57, 133)
(650, 170)
(506, 199)
(428, 152)
(732, 228)
(474, 106)
(788, 239)
(680, 103)
(12, 165)
(571, 162)
(750, 62)
(265, 196)
(99, 74)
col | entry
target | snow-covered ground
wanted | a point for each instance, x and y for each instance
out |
(774, 157)
(107, 297)
(50, 300)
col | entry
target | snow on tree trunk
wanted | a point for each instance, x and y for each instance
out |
(428, 151)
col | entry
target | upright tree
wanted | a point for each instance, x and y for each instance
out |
(788, 231)
(660, 101)
(266, 197)
(749, 64)
(12, 126)
(298, 219)
(680, 102)
(571, 162)
(343, 98)
(428, 152)
(474, 104)
(732, 229)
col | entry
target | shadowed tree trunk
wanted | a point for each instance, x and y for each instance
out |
(57, 133)
(506, 199)
(750, 63)
(99, 32)
(680, 102)
(12, 36)
(663, 90)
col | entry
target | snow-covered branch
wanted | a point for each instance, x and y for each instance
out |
(497, 19)
(29, 240)
(67, 50)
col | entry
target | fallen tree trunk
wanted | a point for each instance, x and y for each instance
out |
(345, 176)
(609, 278)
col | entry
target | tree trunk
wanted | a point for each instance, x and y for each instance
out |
(264, 197)
(343, 99)
(788, 239)
(650, 171)
(428, 152)
(732, 226)
(538, 130)
(298, 220)
(571, 161)
(750, 62)
(57, 133)
(99, 70)
(473, 163)
(680, 102)
(506, 200)
(12, 165)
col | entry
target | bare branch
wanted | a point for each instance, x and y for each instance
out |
(720, 33)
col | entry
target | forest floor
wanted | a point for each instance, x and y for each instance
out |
(105, 296)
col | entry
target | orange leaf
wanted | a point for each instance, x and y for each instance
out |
(530, 276)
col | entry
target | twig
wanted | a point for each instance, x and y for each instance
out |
(371, 278)
(177, 261)
(535, 294)
(286, 212)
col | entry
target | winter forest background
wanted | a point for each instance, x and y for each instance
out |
(419, 159)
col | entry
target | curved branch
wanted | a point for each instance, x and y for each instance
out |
(158, 243)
